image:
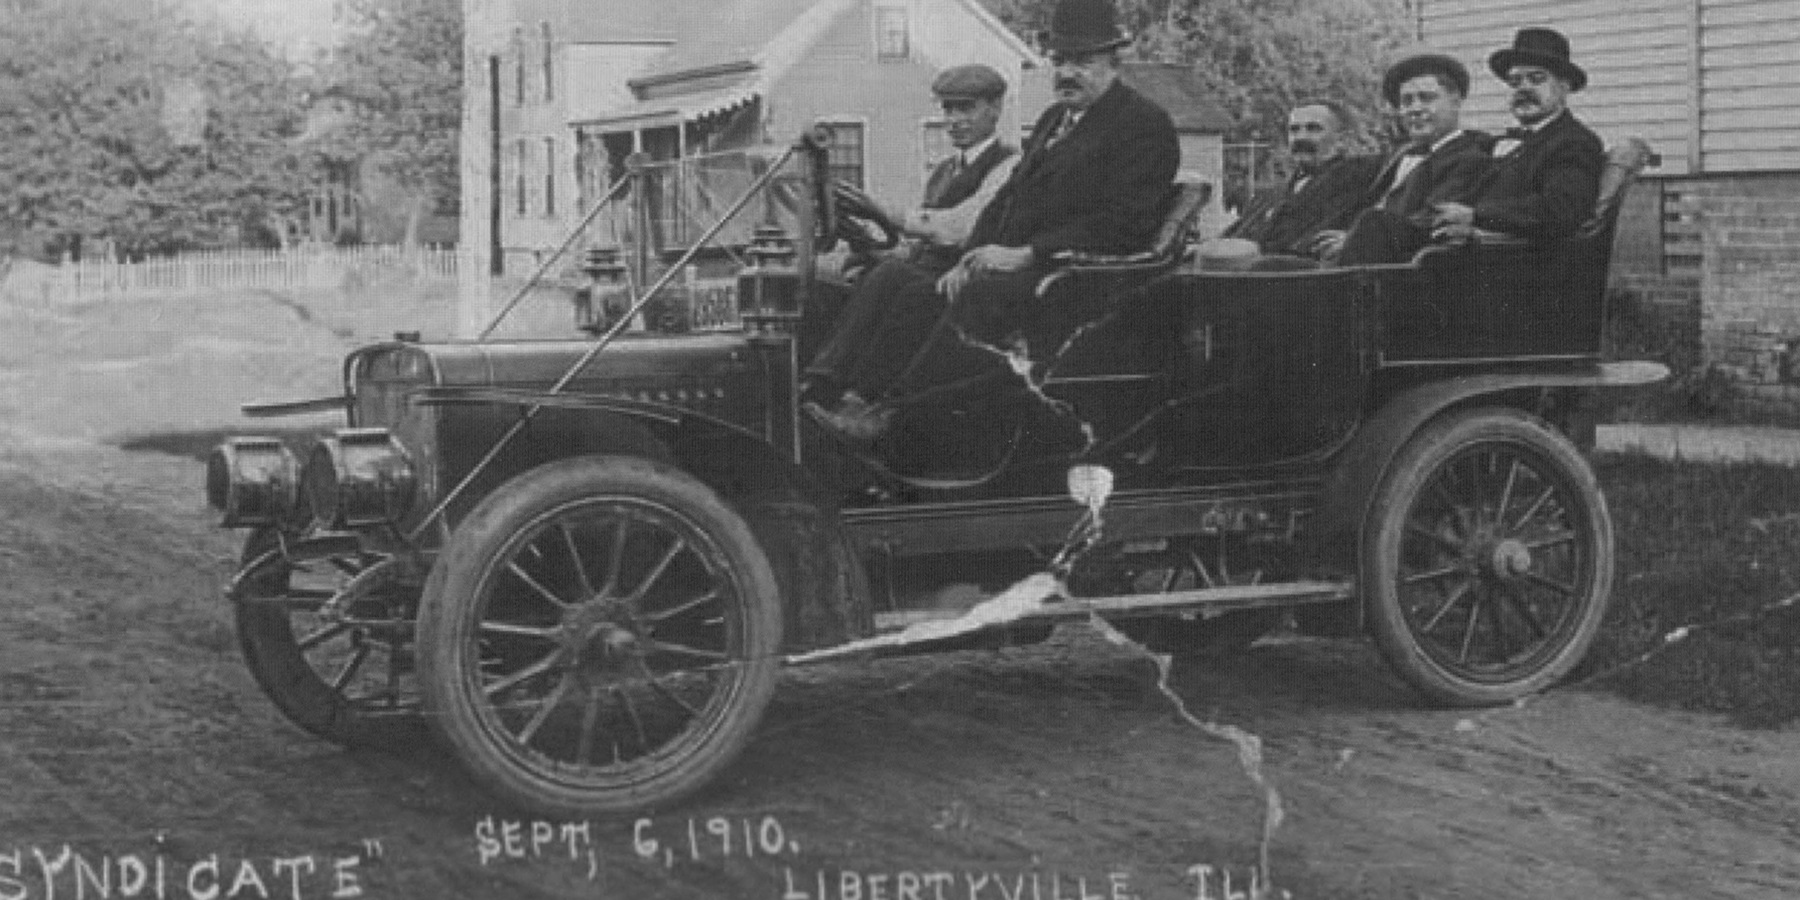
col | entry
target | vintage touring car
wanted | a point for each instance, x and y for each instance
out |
(585, 561)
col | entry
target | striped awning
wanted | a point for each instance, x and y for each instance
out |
(675, 110)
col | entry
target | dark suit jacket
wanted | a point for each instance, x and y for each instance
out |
(1283, 220)
(1100, 188)
(1449, 174)
(1547, 186)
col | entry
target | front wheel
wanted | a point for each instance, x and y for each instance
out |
(1487, 558)
(599, 635)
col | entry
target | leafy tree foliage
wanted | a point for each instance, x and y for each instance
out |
(129, 125)
(397, 77)
(1261, 55)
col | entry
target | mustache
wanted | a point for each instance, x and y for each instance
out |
(1524, 97)
(1303, 145)
(1067, 84)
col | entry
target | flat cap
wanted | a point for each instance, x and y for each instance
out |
(972, 81)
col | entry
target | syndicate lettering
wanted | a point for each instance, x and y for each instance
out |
(32, 873)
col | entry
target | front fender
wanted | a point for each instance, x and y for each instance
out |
(1354, 474)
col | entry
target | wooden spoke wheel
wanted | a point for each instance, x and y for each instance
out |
(1487, 558)
(327, 633)
(1183, 565)
(601, 634)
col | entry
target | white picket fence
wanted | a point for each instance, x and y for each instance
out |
(301, 267)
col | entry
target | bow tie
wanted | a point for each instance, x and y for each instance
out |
(1417, 150)
(1516, 133)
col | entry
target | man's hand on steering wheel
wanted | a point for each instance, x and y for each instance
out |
(862, 222)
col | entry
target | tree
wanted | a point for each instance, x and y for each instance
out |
(1260, 55)
(398, 76)
(126, 124)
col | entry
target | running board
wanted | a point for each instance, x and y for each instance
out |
(1213, 600)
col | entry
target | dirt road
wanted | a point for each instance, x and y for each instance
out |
(137, 758)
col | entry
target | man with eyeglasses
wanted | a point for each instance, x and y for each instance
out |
(1546, 172)
(1092, 178)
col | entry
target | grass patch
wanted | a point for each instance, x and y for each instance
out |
(1709, 546)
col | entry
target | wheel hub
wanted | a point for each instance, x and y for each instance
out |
(600, 635)
(1509, 559)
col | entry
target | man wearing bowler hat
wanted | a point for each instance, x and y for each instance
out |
(1093, 177)
(1440, 163)
(1546, 172)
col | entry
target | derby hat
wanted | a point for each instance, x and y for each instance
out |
(972, 82)
(1447, 68)
(1083, 26)
(1539, 47)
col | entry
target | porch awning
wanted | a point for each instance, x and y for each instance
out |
(676, 110)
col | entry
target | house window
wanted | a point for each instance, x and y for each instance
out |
(549, 71)
(935, 143)
(518, 48)
(550, 177)
(846, 159)
(891, 43)
(524, 205)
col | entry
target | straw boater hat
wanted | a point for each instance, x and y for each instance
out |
(1544, 47)
(1423, 63)
(1083, 26)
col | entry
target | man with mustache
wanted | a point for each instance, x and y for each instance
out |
(1546, 172)
(1308, 214)
(1093, 178)
(1440, 164)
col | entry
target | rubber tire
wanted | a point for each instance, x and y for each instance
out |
(448, 674)
(1409, 474)
(266, 639)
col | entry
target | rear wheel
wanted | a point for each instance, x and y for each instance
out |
(601, 634)
(326, 630)
(1487, 558)
(1190, 564)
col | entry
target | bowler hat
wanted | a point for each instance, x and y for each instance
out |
(1452, 72)
(1083, 26)
(1539, 47)
(974, 81)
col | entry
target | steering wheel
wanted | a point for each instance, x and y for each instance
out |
(860, 224)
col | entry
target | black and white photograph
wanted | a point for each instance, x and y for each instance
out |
(899, 449)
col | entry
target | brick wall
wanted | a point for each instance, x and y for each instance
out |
(1730, 251)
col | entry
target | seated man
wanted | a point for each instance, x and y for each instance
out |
(1442, 163)
(955, 193)
(1545, 175)
(1093, 178)
(1308, 214)
(962, 184)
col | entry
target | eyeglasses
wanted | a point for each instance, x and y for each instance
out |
(1521, 77)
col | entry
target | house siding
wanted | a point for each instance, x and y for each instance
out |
(1712, 238)
(894, 100)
